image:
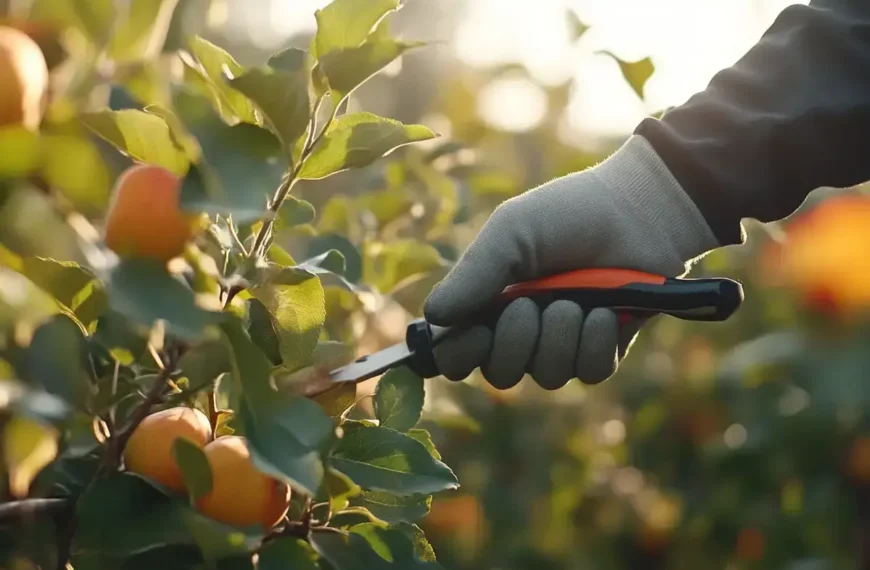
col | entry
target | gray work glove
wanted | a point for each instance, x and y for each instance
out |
(627, 212)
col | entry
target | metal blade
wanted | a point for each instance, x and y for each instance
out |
(372, 365)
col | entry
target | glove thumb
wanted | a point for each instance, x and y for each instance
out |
(476, 281)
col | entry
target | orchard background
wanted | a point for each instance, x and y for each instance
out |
(189, 219)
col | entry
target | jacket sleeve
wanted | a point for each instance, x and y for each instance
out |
(791, 116)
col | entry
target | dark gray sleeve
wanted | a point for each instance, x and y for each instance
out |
(791, 116)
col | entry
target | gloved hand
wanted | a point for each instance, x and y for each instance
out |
(627, 212)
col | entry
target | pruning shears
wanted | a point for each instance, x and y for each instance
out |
(629, 292)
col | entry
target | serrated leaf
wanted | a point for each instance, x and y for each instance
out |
(142, 136)
(381, 459)
(635, 72)
(218, 66)
(356, 140)
(57, 359)
(394, 509)
(370, 547)
(347, 23)
(398, 399)
(282, 96)
(296, 303)
(145, 292)
(240, 168)
(287, 553)
(28, 446)
(422, 547)
(194, 466)
(141, 33)
(348, 68)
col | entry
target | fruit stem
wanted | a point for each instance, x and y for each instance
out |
(290, 180)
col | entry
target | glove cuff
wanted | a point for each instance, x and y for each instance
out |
(639, 178)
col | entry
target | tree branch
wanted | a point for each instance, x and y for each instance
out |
(28, 508)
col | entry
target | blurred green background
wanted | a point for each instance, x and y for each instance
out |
(717, 446)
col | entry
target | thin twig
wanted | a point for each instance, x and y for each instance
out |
(289, 181)
(27, 508)
(330, 529)
(152, 397)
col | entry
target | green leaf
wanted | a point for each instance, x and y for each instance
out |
(194, 466)
(217, 66)
(249, 366)
(123, 515)
(69, 283)
(370, 547)
(347, 23)
(29, 445)
(19, 151)
(296, 302)
(358, 139)
(331, 260)
(142, 136)
(287, 553)
(388, 265)
(393, 509)
(282, 96)
(58, 359)
(240, 165)
(143, 30)
(261, 329)
(636, 73)
(422, 547)
(294, 212)
(398, 399)
(352, 258)
(286, 435)
(125, 342)
(424, 437)
(93, 17)
(74, 166)
(204, 362)
(412, 291)
(143, 291)
(382, 459)
(348, 68)
(576, 26)
(340, 488)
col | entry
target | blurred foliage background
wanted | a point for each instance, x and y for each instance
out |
(739, 445)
